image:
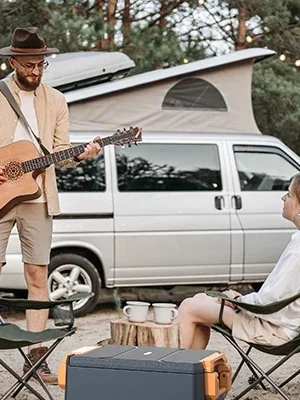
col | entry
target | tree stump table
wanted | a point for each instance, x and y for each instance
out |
(147, 334)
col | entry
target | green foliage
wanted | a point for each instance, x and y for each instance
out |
(152, 48)
(276, 101)
(73, 27)
(18, 13)
(68, 34)
(279, 20)
(118, 303)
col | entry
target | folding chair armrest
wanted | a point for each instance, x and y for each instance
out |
(256, 308)
(24, 304)
(61, 310)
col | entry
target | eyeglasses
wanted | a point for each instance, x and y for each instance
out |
(30, 66)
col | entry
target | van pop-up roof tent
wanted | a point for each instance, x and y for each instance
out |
(210, 95)
(69, 71)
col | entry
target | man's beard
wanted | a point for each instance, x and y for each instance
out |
(28, 85)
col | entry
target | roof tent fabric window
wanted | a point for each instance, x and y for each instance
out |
(142, 106)
(194, 94)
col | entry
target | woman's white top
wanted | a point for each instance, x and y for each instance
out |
(283, 282)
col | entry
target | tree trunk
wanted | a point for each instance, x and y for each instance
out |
(242, 30)
(146, 334)
(163, 13)
(101, 43)
(111, 22)
(126, 24)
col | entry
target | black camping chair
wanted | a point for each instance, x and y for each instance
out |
(286, 350)
(13, 337)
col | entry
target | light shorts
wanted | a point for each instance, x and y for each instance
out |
(252, 329)
(35, 232)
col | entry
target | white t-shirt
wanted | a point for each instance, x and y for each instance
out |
(22, 133)
(283, 282)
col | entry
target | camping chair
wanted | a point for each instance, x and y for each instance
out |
(287, 350)
(13, 337)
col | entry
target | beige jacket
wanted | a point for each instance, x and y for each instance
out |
(53, 123)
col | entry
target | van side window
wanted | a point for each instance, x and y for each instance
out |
(194, 94)
(88, 176)
(169, 167)
(264, 168)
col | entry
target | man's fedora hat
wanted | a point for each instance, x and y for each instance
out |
(27, 42)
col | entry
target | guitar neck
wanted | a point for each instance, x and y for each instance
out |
(47, 160)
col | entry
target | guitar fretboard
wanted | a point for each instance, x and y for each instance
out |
(45, 161)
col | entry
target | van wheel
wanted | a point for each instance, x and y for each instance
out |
(70, 274)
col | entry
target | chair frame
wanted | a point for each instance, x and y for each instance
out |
(28, 338)
(258, 374)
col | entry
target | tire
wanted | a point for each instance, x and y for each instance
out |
(86, 279)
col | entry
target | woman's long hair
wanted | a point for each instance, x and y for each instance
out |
(296, 186)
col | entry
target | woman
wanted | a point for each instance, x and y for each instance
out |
(197, 314)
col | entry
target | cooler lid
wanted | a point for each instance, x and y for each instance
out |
(158, 359)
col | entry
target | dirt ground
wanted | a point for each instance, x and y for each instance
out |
(95, 327)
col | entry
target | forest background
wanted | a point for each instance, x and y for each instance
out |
(164, 33)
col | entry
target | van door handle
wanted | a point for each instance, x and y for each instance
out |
(238, 202)
(219, 201)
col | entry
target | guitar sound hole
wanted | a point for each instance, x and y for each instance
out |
(13, 170)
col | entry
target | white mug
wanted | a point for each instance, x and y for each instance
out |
(136, 311)
(164, 313)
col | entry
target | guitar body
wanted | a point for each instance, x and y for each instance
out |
(18, 188)
(21, 185)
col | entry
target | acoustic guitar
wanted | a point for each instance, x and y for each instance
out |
(23, 163)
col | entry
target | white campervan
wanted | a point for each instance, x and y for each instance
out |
(197, 202)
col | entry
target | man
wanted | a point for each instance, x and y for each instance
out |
(46, 111)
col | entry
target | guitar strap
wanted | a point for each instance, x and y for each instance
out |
(10, 98)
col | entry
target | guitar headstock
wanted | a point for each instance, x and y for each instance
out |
(126, 136)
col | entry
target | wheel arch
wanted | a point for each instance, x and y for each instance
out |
(88, 252)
